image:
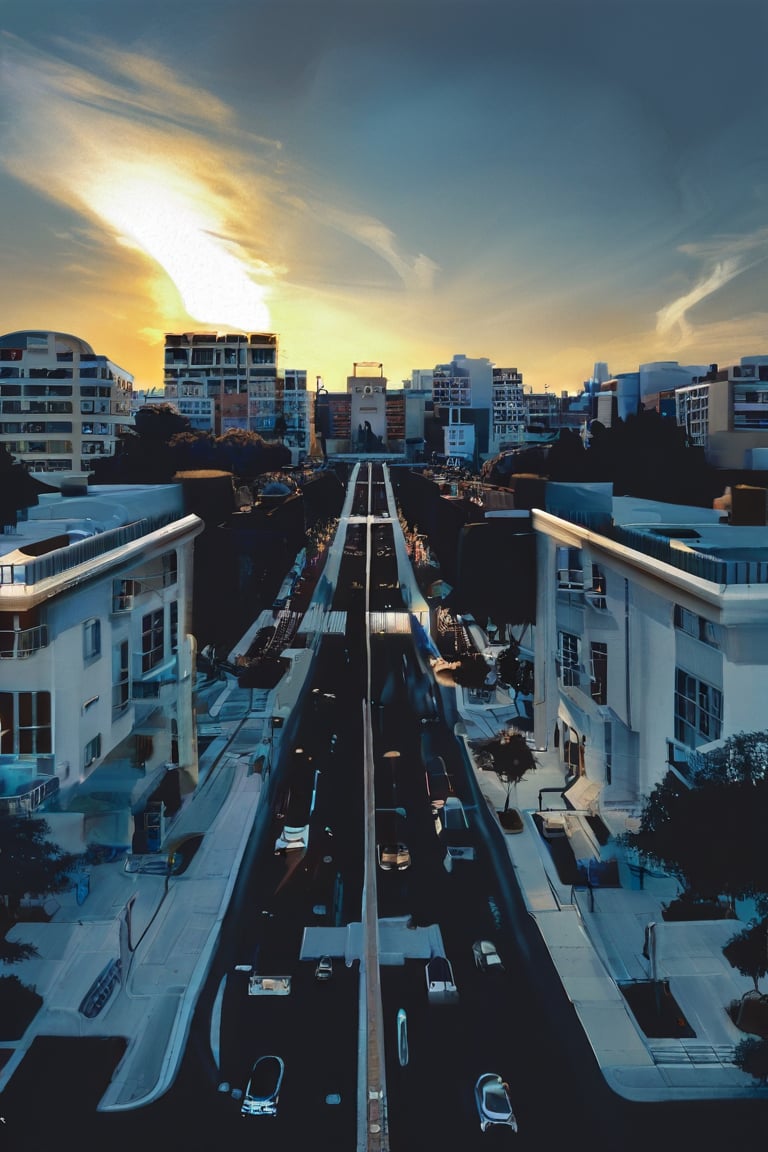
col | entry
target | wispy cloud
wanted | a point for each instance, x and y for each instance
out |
(723, 260)
(162, 166)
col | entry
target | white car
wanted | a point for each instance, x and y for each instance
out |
(262, 1092)
(324, 969)
(493, 1103)
(486, 956)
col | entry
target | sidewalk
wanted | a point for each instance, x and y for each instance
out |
(166, 949)
(596, 936)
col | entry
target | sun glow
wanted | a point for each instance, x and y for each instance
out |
(149, 209)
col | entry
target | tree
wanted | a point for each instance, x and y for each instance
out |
(726, 803)
(517, 674)
(30, 863)
(159, 423)
(747, 951)
(509, 756)
(751, 1056)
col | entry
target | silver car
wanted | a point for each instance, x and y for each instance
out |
(493, 1103)
(262, 1092)
(486, 956)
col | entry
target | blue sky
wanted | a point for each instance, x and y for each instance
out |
(546, 183)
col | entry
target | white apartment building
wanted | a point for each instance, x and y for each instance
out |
(651, 637)
(725, 412)
(508, 410)
(62, 406)
(231, 381)
(96, 657)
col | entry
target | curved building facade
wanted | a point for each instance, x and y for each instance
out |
(62, 406)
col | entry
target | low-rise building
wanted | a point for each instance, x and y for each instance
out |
(96, 656)
(651, 637)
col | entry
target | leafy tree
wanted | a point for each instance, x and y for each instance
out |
(517, 674)
(30, 863)
(18, 1006)
(751, 1056)
(192, 450)
(159, 423)
(241, 452)
(726, 803)
(747, 951)
(509, 756)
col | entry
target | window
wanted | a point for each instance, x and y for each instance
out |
(91, 639)
(170, 573)
(151, 640)
(570, 573)
(92, 751)
(25, 723)
(697, 626)
(698, 710)
(569, 650)
(599, 672)
(120, 679)
(173, 625)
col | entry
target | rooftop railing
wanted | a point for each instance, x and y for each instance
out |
(38, 568)
(716, 569)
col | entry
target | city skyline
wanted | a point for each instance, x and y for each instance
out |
(546, 185)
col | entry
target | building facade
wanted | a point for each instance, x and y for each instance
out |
(96, 657)
(725, 412)
(651, 638)
(62, 405)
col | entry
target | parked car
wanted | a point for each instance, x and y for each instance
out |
(262, 1092)
(394, 854)
(454, 816)
(486, 956)
(493, 1103)
(441, 986)
(324, 969)
(402, 1037)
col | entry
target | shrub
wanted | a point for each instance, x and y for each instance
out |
(751, 1056)
(19, 1005)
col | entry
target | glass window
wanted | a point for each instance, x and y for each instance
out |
(120, 679)
(152, 640)
(91, 639)
(599, 671)
(92, 751)
(569, 647)
(25, 723)
(698, 710)
(173, 625)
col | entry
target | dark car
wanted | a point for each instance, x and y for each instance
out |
(493, 1103)
(262, 1092)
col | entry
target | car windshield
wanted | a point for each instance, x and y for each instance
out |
(496, 1100)
(264, 1078)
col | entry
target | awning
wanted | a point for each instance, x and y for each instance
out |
(583, 794)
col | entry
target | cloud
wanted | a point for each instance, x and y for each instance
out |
(725, 259)
(163, 167)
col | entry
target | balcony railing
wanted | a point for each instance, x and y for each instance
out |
(24, 642)
(39, 568)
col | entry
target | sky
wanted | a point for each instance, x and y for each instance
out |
(546, 183)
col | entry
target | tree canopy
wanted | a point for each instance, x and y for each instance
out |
(30, 865)
(725, 804)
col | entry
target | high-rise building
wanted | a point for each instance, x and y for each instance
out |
(63, 407)
(221, 382)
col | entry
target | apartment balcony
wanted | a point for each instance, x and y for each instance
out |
(16, 645)
(25, 784)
